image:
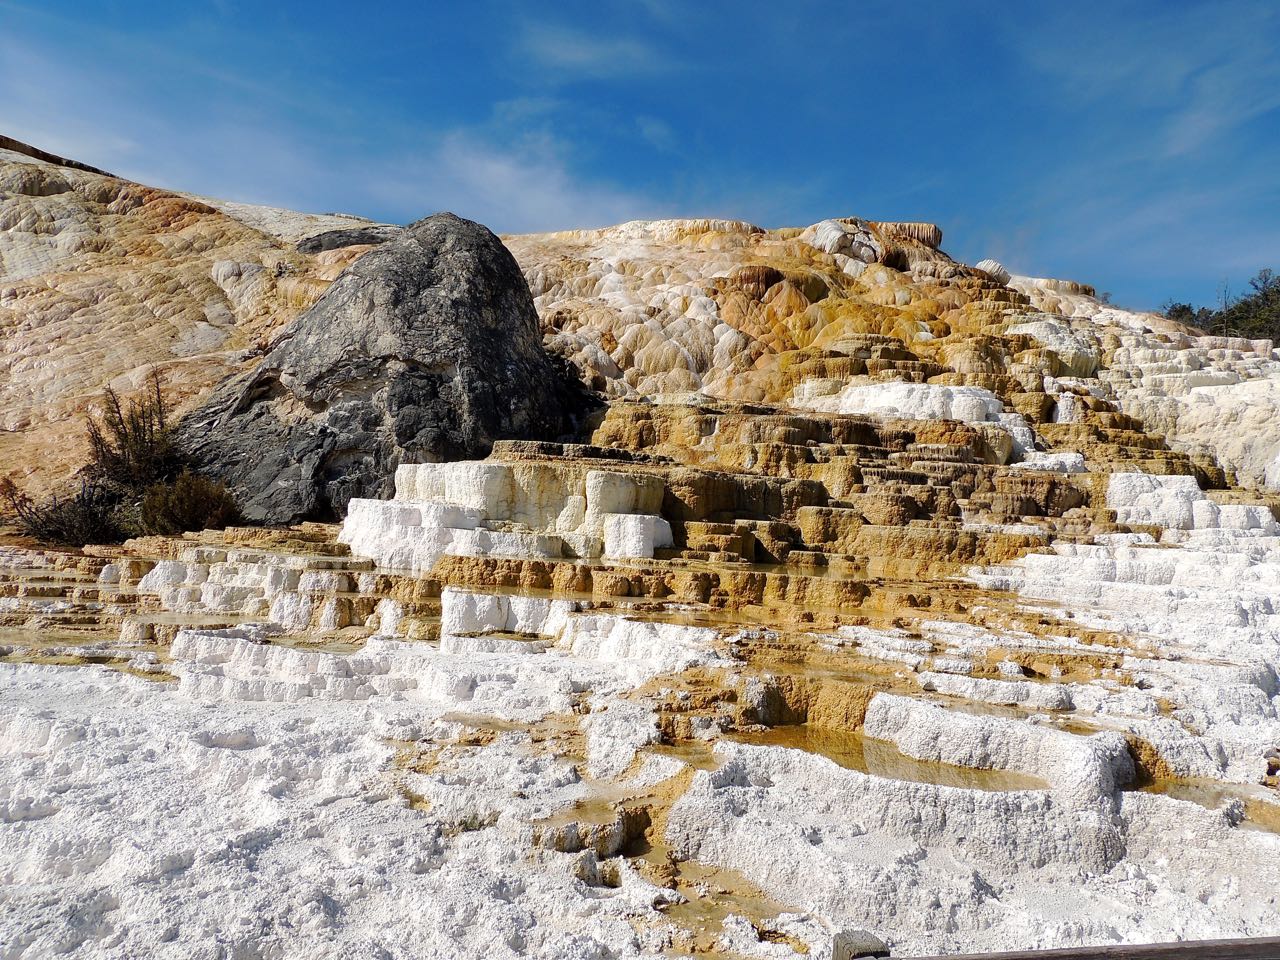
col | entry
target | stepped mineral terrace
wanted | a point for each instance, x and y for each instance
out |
(588, 701)
(888, 597)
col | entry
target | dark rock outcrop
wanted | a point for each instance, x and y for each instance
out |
(427, 348)
(27, 150)
(333, 239)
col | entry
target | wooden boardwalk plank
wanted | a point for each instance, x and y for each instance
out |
(1262, 948)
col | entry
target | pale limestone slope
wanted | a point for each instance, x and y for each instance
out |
(730, 310)
(103, 281)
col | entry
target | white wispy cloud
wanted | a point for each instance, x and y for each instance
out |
(570, 50)
(520, 188)
(519, 111)
(1199, 71)
(512, 178)
(1224, 96)
(656, 132)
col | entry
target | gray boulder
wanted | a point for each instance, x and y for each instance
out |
(425, 349)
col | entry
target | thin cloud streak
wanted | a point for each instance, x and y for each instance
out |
(527, 189)
(1224, 98)
(573, 51)
(522, 187)
(1191, 65)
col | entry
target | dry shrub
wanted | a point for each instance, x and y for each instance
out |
(131, 447)
(90, 516)
(135, 482)
(191, 502)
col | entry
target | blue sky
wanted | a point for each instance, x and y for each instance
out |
(1132, 145)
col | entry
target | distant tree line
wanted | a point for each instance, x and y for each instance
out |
(1254, 315)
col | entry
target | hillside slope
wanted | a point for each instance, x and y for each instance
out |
(819, 318)
(104, 280)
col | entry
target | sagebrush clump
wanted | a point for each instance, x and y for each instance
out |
(136, 482)
(130, 447)
(191, 502)
(89, 516)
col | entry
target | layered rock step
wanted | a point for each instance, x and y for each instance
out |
(884, 586)
(975, 703)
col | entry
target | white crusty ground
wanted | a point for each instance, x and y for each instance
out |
(490, 508)
(922, 401)
(138, 822)
(941, 869)
(1198, 612)
(255, 808)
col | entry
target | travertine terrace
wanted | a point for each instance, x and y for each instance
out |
(887, 594)
(812, 318)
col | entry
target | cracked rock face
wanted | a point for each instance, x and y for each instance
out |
(427, 349)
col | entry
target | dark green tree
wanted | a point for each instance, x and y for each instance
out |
(1254, 315)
